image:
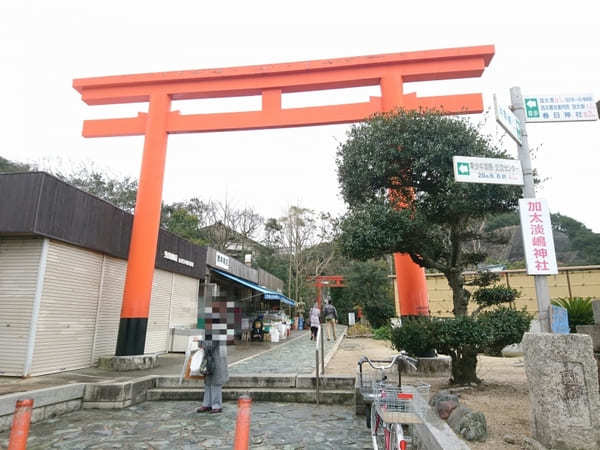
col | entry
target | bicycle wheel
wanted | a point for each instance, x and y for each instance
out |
(377, 430)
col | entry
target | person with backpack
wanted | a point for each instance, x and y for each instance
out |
(215, 375)
(330, 318)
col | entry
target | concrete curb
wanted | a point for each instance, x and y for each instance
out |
(331, 352)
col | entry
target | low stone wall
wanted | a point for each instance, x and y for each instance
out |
(117, 395)
(47, 403)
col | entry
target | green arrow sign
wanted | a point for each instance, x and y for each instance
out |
(463, 168)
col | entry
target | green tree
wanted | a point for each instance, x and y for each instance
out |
(7, 166)
(120, 191)
(405, 159)
(581, 238)
(367, 284)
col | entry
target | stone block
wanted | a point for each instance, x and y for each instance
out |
(440, 366)
(99, 392)
(325, 382)
(139, 387)
(469, 424)
(594, 332)
(38, 414)
(127, 363)
(173, 382)
(42, 397)
(262, 381)
(512, 350)
(445, 408)
(596, 309)
(563, 389)
(435, 434)
(5, 422)
(106, 405)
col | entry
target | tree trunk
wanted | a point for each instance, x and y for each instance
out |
(460, 298)
(464, 367)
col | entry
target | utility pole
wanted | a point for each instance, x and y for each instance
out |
(542, 291)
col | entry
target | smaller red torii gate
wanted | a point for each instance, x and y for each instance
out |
(334, 281)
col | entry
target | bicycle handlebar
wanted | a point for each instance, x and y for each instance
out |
(402, 355)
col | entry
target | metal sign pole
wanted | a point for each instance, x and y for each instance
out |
(542, 291)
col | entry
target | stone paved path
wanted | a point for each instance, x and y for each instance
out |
(297, 356)
(175, 425)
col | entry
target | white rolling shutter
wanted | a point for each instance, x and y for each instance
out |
(67, 317)
(157, 333)
(19, 262)
(109, 308)
(184, 303)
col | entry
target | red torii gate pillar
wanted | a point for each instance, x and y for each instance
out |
(389, 71)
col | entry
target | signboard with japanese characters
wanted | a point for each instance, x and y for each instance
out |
(469, 169)
(508, 121)
(222, 261)
(537, 237)
(560, 108)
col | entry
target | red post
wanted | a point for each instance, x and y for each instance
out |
(242, 426)
(20, 426)
(144, 234)
(411, 283)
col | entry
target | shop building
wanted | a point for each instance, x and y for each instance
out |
(63, 259)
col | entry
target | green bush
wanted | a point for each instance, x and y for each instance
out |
(414, 336)
(383, 333)
(503, 326)
(579, 309)
(495, 295)
(462, 337)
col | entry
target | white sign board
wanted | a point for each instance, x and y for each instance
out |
(469, 169)
(508, 121)
(351, 320)
(537, 237)
(222, 261)
(560, 108)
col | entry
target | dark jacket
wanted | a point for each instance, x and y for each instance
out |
(220, 373)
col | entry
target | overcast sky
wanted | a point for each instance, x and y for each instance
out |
(541, 46)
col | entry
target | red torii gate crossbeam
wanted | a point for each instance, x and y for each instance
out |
(271, 81)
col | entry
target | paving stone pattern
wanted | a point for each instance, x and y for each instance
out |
(292, 357)
(176, 425)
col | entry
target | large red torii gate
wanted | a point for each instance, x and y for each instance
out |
(270, 81)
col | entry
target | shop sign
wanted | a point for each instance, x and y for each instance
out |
(538, 241)
(560, 108)
(487, 170)
(178, 259)
(222, 261)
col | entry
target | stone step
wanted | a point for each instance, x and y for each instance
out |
(338, 397)
(274, 381)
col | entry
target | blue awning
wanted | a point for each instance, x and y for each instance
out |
(268, 294)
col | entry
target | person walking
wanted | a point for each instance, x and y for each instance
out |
(330, 318)
(315, 321)
(214, 381)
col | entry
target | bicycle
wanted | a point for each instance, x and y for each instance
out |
(394, 408)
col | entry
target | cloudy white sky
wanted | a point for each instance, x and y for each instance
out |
(541, 46)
